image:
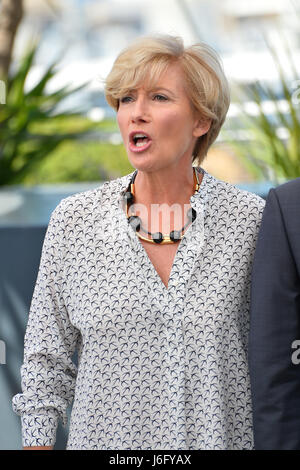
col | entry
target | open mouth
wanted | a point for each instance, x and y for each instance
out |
(139, 141)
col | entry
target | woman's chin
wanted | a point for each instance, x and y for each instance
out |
(141, 161)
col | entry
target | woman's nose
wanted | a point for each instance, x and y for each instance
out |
(139, 110)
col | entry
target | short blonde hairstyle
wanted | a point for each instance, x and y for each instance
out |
(205, 83)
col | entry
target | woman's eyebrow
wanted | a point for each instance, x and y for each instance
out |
(162, 88)
(153, 89)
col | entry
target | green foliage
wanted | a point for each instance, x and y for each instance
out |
(273, 150)
(81, 161)
(30, 123)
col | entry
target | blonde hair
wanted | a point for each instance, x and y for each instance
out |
(205, 83)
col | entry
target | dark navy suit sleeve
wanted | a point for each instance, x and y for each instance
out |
(274, 326)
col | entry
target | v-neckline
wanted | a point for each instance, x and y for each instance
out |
(154, 271)
(163, 268)
(139, 248)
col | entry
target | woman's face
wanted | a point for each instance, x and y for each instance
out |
(165, 116)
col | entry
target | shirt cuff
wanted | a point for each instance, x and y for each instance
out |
(39, 429)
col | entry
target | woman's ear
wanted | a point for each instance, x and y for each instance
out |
(202, 127)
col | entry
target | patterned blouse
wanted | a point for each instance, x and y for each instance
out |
(160, 368)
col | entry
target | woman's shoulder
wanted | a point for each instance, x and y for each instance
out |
(229, 195)
(86, 202)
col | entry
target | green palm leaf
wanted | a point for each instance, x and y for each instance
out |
(274, 148)
(22, 146)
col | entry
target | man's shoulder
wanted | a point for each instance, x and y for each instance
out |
(288, 192)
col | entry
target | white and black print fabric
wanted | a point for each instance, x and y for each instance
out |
(158, 368)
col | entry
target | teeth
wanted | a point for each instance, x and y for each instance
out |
(140, 144)
(137, 136)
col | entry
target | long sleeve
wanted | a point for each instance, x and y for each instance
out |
(48, 373)
(274, 326)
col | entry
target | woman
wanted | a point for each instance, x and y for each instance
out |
(148, 277)
(274, 342)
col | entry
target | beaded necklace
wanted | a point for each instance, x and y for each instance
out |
(157, 237)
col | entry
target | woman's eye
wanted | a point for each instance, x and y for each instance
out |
(125, 99)
(160, 97)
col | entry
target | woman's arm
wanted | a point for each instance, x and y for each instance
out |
(274, 326)
(48, 373)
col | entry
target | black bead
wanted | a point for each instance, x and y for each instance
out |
(157, 237)
(192, 214)
(135, 222)
(128, 196)
(175, 235)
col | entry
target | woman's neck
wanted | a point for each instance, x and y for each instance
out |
(164, 187)
(162, 202)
